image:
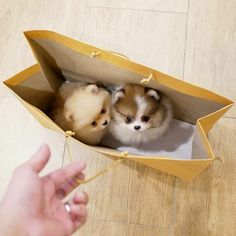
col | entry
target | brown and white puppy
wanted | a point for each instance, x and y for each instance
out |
(139, 114)
(83, 109)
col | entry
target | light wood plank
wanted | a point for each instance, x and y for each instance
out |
(16, 16)
(108, 228)
(211, 47)
(151, 5)
(21, 137)
(207, 206)
(155, 39)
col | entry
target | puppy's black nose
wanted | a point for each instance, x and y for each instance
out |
(137, 127)
(105, 123)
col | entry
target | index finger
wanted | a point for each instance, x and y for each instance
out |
(63, 174)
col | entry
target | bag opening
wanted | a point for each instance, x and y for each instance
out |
(60, 63)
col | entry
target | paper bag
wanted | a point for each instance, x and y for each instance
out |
(184, 151)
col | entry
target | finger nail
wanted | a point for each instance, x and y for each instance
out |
(43, 145)
(80, 195)
(43, 149)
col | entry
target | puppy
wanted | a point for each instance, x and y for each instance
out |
(139, 114)
(83, 109)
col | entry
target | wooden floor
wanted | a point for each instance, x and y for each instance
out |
(194, 40)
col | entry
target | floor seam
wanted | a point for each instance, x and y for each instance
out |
(134, 9)
(128, 223)
(229, 117)
(82, 29)
(186, 39)
(171, 232)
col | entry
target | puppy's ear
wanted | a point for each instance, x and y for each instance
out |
(92, 88)
(118, 94)
(154, 94)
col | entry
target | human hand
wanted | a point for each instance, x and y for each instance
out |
(33, 205)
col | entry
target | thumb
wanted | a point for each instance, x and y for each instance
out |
(40, 158)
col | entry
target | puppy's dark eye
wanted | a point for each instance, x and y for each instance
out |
(94, 124)
(145, 118)
(128, 119)
(103, 111)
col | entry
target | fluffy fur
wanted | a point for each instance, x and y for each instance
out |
(83, 109)
(139, 115)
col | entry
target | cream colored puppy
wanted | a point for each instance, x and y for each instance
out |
(83, 109)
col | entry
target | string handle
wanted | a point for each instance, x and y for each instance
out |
(70, 133)
(146, 80)
(97, 53)
(119, 54)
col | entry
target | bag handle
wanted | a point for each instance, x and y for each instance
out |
(70, 133)
(118, 54)
(143, 81)
(97, 52)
